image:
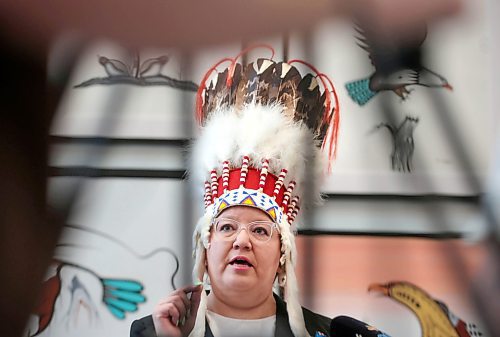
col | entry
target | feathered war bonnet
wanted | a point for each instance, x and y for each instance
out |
(261, 124)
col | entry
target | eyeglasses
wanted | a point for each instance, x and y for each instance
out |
(227, 229)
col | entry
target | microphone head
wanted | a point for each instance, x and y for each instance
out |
(344, 326)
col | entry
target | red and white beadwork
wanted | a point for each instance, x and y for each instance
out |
(293, 206)
(215, 185)
(263, 174)
(244, 170)
(294, 213)
(279, 183)
(225, 175)
(288, 193)
(208, 194)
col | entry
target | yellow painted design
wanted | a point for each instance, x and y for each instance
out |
(222, 206)
(433, 319)
(272, 213)
(248, 201)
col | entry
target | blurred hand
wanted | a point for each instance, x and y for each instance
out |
(175, 315)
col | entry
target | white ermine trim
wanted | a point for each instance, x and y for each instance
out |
(291, 291)
(295, 315)
(199, 323)
(202, 231)
(201, 241)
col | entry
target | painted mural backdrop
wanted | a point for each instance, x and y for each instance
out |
(122, 249)
(393, 126)
(403, 286)
(119, 254)
(76, 295)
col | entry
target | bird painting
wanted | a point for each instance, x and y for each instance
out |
(150, 67)
(435, 319)
(396, 68)
(137, 72)
(68, 286)
(76, 299)
(403, 143)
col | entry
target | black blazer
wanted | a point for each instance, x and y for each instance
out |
(317, 325)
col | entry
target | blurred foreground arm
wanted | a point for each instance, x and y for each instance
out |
(192, 24)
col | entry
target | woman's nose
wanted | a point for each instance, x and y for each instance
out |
(242, 240)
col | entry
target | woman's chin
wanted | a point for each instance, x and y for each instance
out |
(239, 282)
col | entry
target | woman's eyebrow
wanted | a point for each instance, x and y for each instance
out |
(252, 221)
(227, 218)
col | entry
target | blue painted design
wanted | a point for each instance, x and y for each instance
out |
(126, 295)
(271, 208)
(246, 192)
(360, 91)
(122, 284)
(121, 304)
(122, 296)
(116, 312)
(319, 334)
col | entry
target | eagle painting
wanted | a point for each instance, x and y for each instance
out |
(393, 74)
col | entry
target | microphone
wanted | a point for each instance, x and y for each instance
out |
(344, 326)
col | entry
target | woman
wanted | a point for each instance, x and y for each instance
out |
(242, 268)
(261, 123)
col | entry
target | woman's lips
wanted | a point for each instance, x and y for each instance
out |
(240, 263)
(241, 266)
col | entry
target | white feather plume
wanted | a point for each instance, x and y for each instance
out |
(260, 132)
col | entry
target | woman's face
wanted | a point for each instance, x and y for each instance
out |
(243, 263)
